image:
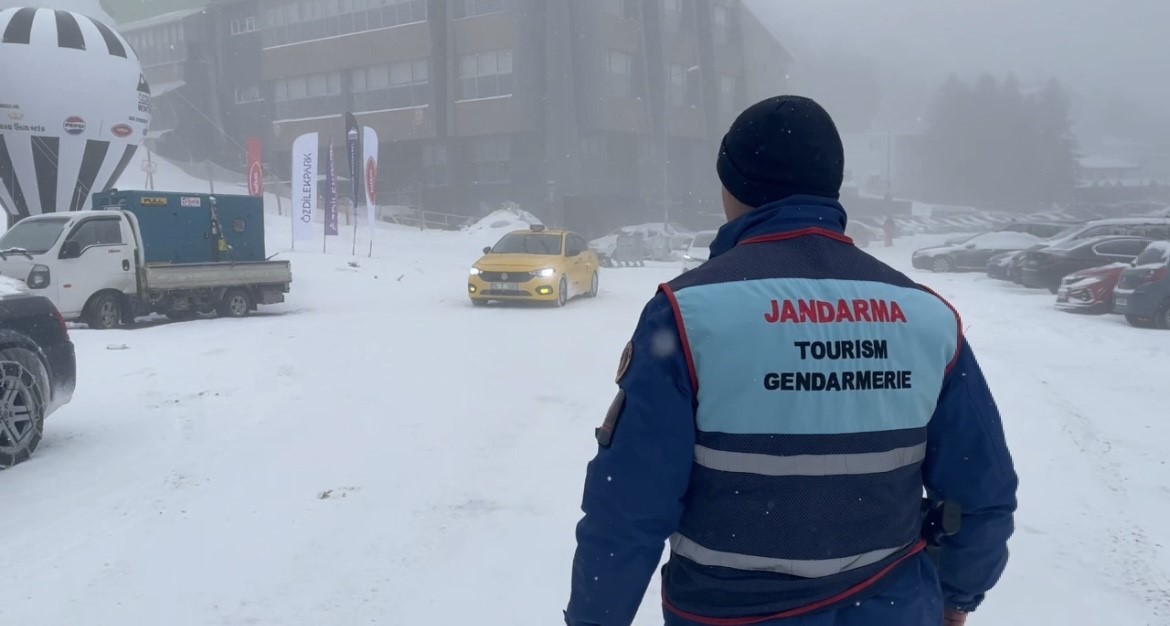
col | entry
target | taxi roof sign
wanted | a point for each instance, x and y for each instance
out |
(536, 228)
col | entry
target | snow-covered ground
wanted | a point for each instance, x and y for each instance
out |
(377, 451)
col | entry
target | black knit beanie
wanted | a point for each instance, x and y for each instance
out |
(783, 146)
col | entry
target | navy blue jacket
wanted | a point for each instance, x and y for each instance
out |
(636, 487)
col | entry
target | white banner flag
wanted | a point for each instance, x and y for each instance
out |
(304, 186)
(370, 158)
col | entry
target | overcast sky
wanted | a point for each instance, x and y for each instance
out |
(1097, 46)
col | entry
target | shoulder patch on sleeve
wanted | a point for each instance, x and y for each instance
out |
(608, 428)
(624, 363)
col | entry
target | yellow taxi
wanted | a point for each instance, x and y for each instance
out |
(539, 264)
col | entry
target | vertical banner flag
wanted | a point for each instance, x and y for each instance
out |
(304, 186)
(353, 151)
(329, 194)
(255, 170)
(370, 154)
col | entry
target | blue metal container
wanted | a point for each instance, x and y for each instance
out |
(181, 227)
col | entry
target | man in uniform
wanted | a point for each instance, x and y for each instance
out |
(781, 410)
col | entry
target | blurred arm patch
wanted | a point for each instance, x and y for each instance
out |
(624, 363)
(605, 433)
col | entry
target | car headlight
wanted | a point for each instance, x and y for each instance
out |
(475, 271)
(545, 273)
(38, 278)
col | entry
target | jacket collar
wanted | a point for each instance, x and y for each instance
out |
(791, 214)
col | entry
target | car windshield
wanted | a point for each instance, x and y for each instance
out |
(528, 243)
(1157, 253)
(703, 240)
(34, 236)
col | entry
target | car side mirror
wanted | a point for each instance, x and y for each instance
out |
(70, 250)
(487, 249)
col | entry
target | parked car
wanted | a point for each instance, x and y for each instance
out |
(1150, 227)
(1042, 229)
(661, 240)
(972, 253)
(1000, 265)
(1089, 291)
(1143, 292)
(699, 250)
(1044, 268)
(37, 372)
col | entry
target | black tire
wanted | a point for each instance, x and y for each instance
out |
(23, 389)
(1162, 317)
(104, 312)
(478, 302)
(942, 264)
(235, 303)
(562, 292)
(594, 283)
(1139, 322)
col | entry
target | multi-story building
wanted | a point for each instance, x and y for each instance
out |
(178, 61)
(589, 113)
(203, 63)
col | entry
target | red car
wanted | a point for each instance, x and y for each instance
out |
(1089, 291)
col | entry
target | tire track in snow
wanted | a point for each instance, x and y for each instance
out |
(1132, 560)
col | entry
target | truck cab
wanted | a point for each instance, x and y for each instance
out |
(72, 257)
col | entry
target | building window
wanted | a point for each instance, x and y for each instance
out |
(594, 158)
(308, 96)
(491, 160)
(436, 165)
(672, 11)
(305, 20)
(728, 93)
(240, 27)
(472, 8)
(622, 8)
(248, 94)
(485, 75)
(723, 16)
(396, 86)
(619, 74)
(158, 45)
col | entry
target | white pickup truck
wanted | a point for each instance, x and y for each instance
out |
(90, 265)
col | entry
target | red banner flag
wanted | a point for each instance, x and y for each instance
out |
(255, 171)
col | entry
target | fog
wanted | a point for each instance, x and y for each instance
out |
(1110, 54)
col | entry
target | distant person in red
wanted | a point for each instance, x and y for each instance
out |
(889, 228)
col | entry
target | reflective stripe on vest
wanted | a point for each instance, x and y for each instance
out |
(809, 464)
(817, 568)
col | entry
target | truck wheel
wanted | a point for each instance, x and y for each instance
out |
(235, 303)
(23, 381)
(104, 312)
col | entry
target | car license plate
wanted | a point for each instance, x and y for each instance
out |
(505, 286)
(1119, 302)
